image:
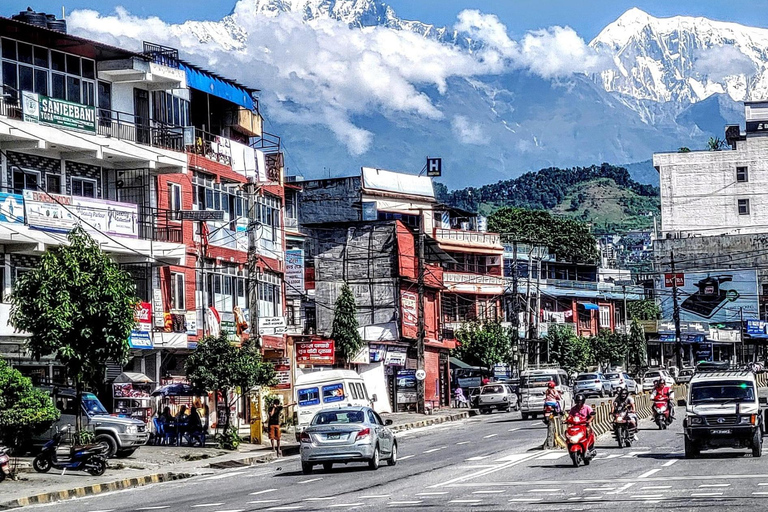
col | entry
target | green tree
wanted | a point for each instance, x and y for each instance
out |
(569, 239)
(345, 327)
(485, 344)
(79, 306)
(645, 309)
(569, 351)
(637, 353)
(219, 366)
(716, 144)
(24, 409)
(608, 348)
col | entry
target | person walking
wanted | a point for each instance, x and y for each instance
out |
(273, 423)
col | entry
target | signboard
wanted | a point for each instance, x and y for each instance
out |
(143, 317)
(272, 325)
(757, 328)
(704, 352)
(684, 338)
(62, 213)
(376, 352)
(395, 356)
(11, 208)
(157, 307)
(190, 317)
(227, 325)
(671, 280)
(434, 167)
(282, 372)
(140, 340)
(42, 109)
(370, 211)
(409, 306)
(200, 215)
(294, 271)
(316, 352)
(406, 386)
(716, 296)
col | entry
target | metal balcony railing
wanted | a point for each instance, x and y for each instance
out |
(475, 237)
(126, 126)
(458, 277)
(10, 106)
(158, 225)
(212, 147)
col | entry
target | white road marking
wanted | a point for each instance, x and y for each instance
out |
(525, 499)
(553, 455)
(431, 493)
(285, 508)
(656, 488)
(257, 502)
(233, 510)
(311, 480)
(488, 492)
(433, 450)
(207, 505)
(407, 457)
(225, 475)
(374, 496)
(154, 508)
(488, 471)
(395, 503)
(464, 442)
(585, 498)
(514, 457)
(713, 485)
(480, 457)
(336, 505)
(599, 489)
(621, 489)
(762, 484)
(703, 494)
(545, 490)
(647, 496)
(649, 473)
(513, 429)
(321, 499)
(490, 435)
(760, 493)
(669, 463)
(612, 456)
(263, 492)
(465, 501)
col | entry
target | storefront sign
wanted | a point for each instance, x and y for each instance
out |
(376, 352)
(11, 208)
(143, 317)
(716, 296)
(409, 307)
(272, 325)
(396, 356)
(191, 321)
(757, 328)
(42, 109)
(282, 372)
(228, 326)
(294, 271)
(62, 213)
(704, 352)
(406, 386)
(157, 307)
(672, 280)
(316, 352)
(140, 340)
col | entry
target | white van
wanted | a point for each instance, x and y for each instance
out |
(533, 385)
(326, 389)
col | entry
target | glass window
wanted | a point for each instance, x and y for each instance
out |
(41, 82)
(333, 393)
(308, 396)
(89, 94)
(53, 183)
(10, 79)
(26, 78)
(25, 180)
(58, 87)
(73, 89)
(41, 57)
(73, 65)
(177, 291)
(9, 49)
(353, 391)
(372, 418)
(88, 69)
(338, 417)
(84, 187)
(105, 95)
(174, 196)
(58, 61)
(742, 174)
(743, 206)
(25, 53)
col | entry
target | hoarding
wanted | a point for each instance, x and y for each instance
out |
(715, 296)
(294, 271)
(11, 208)
(316, 352)
(409, 306)
(42, 109)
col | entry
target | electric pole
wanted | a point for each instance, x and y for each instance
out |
(420, 334)
(676, 313)
(516, 308)
(537, 312)
(253, 271)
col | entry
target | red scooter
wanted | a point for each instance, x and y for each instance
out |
(5, 463)
(661, 413)
(580, 440)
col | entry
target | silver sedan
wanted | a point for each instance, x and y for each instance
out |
(347, 434)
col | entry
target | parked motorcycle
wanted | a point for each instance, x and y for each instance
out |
(5, 463)
(88, 458)
(622, 428)
(661, 413)
(580, 440)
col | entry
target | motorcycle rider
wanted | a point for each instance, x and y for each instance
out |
(581, 410)
(552, 397)
(664, 393)
(627, 403)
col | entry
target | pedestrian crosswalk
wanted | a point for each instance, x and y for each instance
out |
(557, 454)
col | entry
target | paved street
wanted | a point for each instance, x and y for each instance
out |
(485, 462)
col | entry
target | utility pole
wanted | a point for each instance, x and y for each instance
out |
(253, 271)
(676, 313)
(420, 334)
(537, 312)
(741, 335)
(626, 324)
(527, 316)
(516, 308)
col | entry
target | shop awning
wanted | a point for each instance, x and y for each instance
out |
(224, 89)
(458, 363)
(132, 377)
(589, 305)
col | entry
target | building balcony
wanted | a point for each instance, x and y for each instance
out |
(471, 239)
(291, 223)
(156, 74)
(460, 282)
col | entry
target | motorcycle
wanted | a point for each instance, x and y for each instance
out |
(550, 412)
(621, 428)
(89, 458)
(580, 440)
(5, 463)
(661, 413)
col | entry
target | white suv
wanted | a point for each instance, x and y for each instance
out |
(651, 376)
(723, 410)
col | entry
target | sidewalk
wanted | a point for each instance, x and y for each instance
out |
(154, 464)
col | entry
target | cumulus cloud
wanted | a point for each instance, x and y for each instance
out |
(322, 72)
(720, 62)
(468, 132)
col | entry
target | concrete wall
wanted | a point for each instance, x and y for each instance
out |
(331, 200)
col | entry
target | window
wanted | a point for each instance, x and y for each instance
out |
(226, 288)
(174, 196)
(308, 396)
(25, 180)
(53, 183)
(169, 109)
(177, 291)
(269, 297)
(742, 174)
(333, 393)
(83, 187)
(605, 317)
(408, 220)
(743, 206)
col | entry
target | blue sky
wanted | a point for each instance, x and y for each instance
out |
(587, 17)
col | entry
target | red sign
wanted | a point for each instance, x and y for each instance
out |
(143, 316)
(671, 280)
(409, 305)
(320, 352)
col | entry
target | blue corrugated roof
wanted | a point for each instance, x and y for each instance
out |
(205, 82)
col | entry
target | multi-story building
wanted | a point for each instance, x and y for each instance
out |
(166, 165)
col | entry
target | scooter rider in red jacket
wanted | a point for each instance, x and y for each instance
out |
(662, 392)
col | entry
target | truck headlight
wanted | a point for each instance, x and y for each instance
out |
(747, 420)
(696, 420)
(131, 429)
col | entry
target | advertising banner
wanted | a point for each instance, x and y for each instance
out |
(716, 296)
(316, 352)
(144, 316)
(294, 271)
(282, 372)
(11, 208)
(140, 340)
(396, 356)
(62, 213)
(42, 109)
(274, 325)
(410, 309)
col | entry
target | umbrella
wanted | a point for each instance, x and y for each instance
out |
(178, 390)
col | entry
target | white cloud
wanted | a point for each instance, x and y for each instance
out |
(720, 62)
(468, 132)
(323, 72)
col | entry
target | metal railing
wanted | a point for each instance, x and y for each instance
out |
(10, 107)
(126, 126)
(212, 147)
(457, 277)
(158, 225)
(477, 237)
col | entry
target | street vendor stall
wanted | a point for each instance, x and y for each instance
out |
(132, 396)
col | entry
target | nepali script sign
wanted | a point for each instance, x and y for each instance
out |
(42, 109)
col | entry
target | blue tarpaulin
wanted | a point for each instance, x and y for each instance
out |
(216, 87)
(589, 305)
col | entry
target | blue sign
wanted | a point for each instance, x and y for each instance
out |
(333, 393)
(685, 338)
(141, 340)
(757, 328)
(11, 208)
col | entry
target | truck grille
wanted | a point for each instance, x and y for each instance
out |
(728, 420)
(142, 428)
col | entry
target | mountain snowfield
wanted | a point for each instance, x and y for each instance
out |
(390, 91)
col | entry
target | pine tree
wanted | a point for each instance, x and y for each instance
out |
(345, 333)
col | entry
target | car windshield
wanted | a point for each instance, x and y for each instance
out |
(686, 373)
(728, 390)
(612, 376)
(535, 381)
(492, 390)
(92, 405)
(652, 375)
(338, 417)
(587, 376)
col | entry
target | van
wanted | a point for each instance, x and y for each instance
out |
(533, 385)
(327, 389)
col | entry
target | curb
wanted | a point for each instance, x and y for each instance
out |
(250, 461)
(433, 421)
(91, 490)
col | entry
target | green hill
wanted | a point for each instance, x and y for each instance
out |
(604, 196)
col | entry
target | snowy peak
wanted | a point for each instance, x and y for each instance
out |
(618, 33)
(353, 12)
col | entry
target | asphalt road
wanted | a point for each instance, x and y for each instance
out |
(486, 462)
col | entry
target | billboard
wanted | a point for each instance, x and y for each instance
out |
(316, 352)
(715, 296)
(294, 271)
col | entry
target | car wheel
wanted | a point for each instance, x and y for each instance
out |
(757, 444)
(121, 454)
(306, 468)
(691, 449)
(602, 393)
(375, 460)
(392, 460)
(524, 415)
(327, 466)
(108, 444)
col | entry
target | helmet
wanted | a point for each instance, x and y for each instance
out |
(580, 399)
(623, 392)
(660, 382)
(551, 384)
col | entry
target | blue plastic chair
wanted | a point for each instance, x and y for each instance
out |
(159, 431)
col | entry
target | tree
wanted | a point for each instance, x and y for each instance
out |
(79, 306)
(645, 309)
(24, 409)
(571, 352)
(636, 347)
(219, 366)
(484, 344)
(345, 327)
(608, 348)
(716, 144)
(569, 239)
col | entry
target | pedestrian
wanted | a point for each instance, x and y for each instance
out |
(181, 424)
(273, 423)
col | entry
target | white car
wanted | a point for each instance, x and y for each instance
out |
(651, 376)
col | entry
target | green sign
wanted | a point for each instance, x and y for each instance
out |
(42, 109)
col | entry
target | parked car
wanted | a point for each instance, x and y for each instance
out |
(533, 385)
(347, 434)
(621, 380)
(685, 375)
(497, 396)
(651, 376)
(593, 384)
